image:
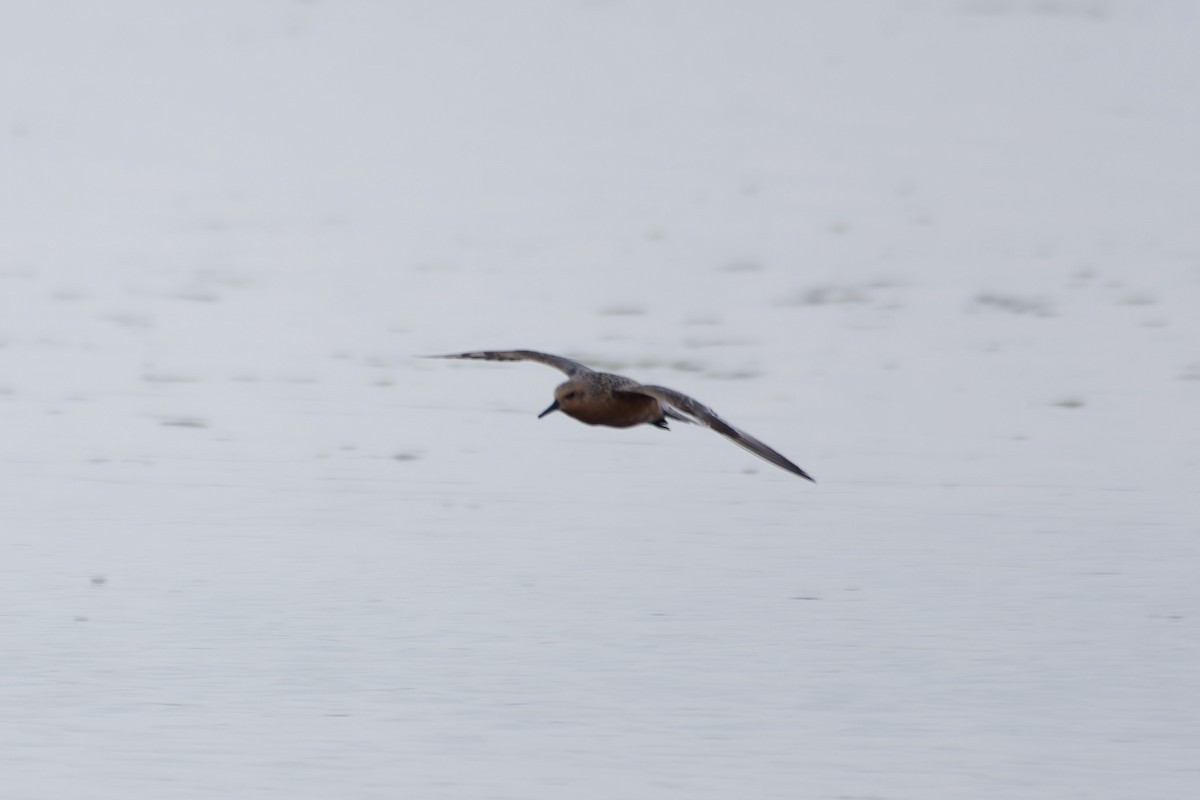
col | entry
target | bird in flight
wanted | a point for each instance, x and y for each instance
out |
(602, 398)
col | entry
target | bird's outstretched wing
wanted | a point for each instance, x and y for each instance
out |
(703, 415)
(571, 368)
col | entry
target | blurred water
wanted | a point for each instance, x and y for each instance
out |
(942, 257)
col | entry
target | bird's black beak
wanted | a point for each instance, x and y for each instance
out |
(553, 407)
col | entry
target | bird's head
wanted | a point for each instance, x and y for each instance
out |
(567, 397)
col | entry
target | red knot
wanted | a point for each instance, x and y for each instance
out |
(602, 398)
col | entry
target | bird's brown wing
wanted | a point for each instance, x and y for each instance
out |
(703, 415)
(571, 368)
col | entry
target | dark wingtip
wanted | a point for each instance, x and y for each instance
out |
(792, 468)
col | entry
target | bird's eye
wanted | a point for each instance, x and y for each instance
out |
(569, 396)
